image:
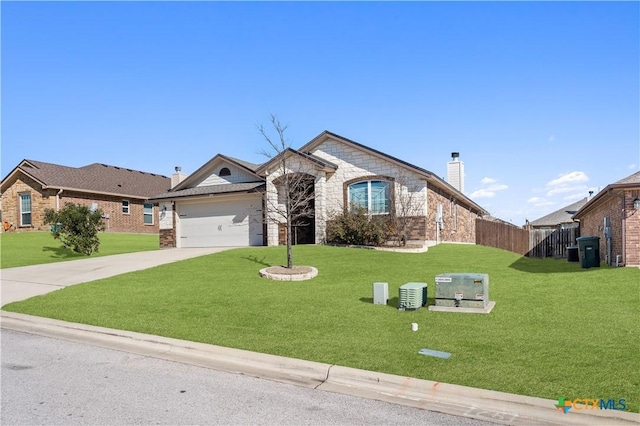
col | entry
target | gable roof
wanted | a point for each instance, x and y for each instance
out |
(563, 215)
(631, 182)
(316, 161)
(96, 178)
(432, 178)
(204, 170)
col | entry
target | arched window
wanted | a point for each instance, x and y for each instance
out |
(372, 195)
(225, 171)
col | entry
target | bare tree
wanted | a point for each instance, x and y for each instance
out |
(293, 201)
(409, 203)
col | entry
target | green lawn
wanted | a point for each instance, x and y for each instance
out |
(557, 330)
(32, 248)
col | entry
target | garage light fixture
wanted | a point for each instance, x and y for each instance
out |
(636, 204)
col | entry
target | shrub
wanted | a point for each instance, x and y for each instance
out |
(356, 227)
(76, 226)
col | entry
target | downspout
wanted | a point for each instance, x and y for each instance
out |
(624, 226)
(58, 199)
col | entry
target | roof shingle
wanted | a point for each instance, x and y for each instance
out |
(97, 178)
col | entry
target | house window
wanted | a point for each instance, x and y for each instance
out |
(125, 206)
(148, 214)
(372, 195)
(225, 171)
(25, 209)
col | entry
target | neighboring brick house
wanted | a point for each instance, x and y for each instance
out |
(225, 202)
(618, 206)
(560, 219)
(121, 194)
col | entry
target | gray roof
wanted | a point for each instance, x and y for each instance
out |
(318, 161)
(564, 215)
(251, 166)
(631, 182)
(632, 179)
(212, 190)
(95, 178)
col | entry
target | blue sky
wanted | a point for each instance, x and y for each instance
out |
(541, 99)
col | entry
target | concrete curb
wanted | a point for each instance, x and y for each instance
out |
(493, 406)
(264, 272)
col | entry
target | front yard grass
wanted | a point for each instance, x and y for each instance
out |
(33, 248)
(557, 330)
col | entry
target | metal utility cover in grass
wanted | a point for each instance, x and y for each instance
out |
(437, 354)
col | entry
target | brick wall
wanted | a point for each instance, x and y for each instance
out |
(115, 220)
(167, 238)
(458, 223)
(41, 200)
(632, 229)
(592, 225)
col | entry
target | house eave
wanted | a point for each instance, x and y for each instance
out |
(18, 169)
(86, 191)
(607, 192)
(178, 197)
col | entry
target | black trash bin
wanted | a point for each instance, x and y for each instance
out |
(572, 254)
(589, 251)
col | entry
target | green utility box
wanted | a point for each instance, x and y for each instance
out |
(589, 251)
(412, 296)
(464, 290)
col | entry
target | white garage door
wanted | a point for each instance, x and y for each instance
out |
(221, 223)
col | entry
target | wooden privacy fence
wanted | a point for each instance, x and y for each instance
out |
(533, 243)
(502, 235)
(551, 242)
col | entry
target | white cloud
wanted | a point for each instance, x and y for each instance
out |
(565, 189)
(482, 193)
(539, 202)
(568, 179)
(572, 182)
(491, 186)
(497, 187)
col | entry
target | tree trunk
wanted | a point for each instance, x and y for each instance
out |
(289, 258)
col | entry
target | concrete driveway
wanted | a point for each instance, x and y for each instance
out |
(28, 281)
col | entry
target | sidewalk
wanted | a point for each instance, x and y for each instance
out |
(492, 406)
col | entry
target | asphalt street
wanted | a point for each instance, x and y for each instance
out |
(54, 382)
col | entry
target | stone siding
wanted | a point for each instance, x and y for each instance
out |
(411, 193)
